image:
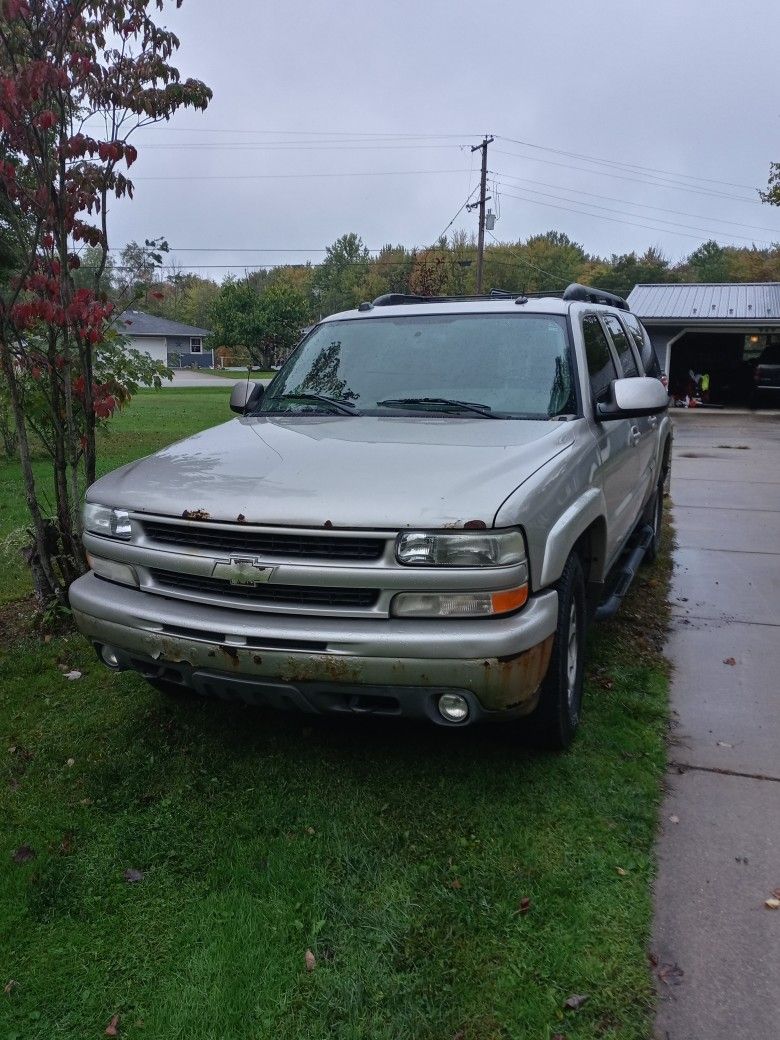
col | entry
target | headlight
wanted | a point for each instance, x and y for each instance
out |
(458, 604)
(112, 570)
(460, 549)
(113, 523)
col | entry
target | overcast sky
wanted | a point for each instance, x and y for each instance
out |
(359, 115)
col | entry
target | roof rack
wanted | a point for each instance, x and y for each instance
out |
(573, 292)
(586, 294)
(397, 299)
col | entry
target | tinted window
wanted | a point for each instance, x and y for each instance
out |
(622, 346)
(601, 367)
(642, 343)
(770, 355)
(517, 365)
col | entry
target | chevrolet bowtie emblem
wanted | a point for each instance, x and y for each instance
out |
(242, 570)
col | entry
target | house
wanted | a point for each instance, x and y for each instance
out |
(176, 344)
(719, 329)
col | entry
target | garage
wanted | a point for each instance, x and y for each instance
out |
(709, 338)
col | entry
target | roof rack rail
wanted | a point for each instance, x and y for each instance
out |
(396, 299)
(586, 294)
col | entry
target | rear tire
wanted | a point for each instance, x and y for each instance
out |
(556, 718)
(655, 517)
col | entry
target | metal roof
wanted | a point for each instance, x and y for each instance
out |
(139, 323)
(695, 302)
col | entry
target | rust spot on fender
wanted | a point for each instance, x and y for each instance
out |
(328, 524)
(195, 514)
(515, 679)
(232, 655)
(257, 659)
(321, 668)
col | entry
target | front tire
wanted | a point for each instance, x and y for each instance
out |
(557, 716)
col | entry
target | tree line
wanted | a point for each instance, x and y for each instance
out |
(258, 317)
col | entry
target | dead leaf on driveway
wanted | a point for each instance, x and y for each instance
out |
(671, 974)
(674, 819)
(772, 904)
(724, 743)
(729, 660)
(112, 1029)
(23, 854)
(575, 1001)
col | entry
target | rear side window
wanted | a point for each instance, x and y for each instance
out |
(601, 366)
(622, 346)
(642, 344)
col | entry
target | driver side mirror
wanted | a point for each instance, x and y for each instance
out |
(634, 397)
(246, 396)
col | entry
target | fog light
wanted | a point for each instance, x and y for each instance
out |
(453, 707)
(109, 656)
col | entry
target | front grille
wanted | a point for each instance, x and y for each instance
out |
(230, 539)
(289, 595)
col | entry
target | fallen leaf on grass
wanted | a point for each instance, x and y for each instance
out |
(131, 875)
(621, 871)
(455, 883)
(311, 961)
(729, 661)
(575, 1001)
(10, 986)
(70, 763)
(772, 904)
(558, 1036)
(74, 674)
(112, 1029)
(524, 905)
(23, 854)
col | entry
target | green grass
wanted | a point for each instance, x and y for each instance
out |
(398, 854)
(153, 419)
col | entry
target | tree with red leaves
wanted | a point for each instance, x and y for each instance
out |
(77, 78)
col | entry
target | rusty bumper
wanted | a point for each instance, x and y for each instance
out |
(322, 664)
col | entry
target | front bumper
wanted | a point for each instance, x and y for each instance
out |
(394, 667)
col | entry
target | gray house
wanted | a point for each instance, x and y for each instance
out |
(714, 328)
(176, 344)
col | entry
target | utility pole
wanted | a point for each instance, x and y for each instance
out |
(482, 200)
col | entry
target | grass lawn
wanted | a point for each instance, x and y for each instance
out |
(399, 855)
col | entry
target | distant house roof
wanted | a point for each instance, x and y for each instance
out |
(721, 301)
(138, 323)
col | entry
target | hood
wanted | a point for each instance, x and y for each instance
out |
(344, 471)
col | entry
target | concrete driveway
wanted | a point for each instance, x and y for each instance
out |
(717, 945)
(184, 377)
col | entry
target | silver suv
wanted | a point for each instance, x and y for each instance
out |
(418, 517)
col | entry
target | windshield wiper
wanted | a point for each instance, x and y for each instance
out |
(337, 404)
(443, 402)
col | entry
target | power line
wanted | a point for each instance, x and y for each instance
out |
(640, 205)
(467, 201)
(673, 223)
(522, 260)
(297, 176)
(625, 165)
(598, 216)
(636, 180)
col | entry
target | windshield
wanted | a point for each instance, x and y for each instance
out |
(511, 365)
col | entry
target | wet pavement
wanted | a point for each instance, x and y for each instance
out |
(716, 944)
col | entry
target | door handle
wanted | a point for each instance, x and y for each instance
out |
(653, 421)
(636, 435)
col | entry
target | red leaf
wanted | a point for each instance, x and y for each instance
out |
(112, 1029)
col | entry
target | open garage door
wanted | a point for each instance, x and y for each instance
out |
(721, 358)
